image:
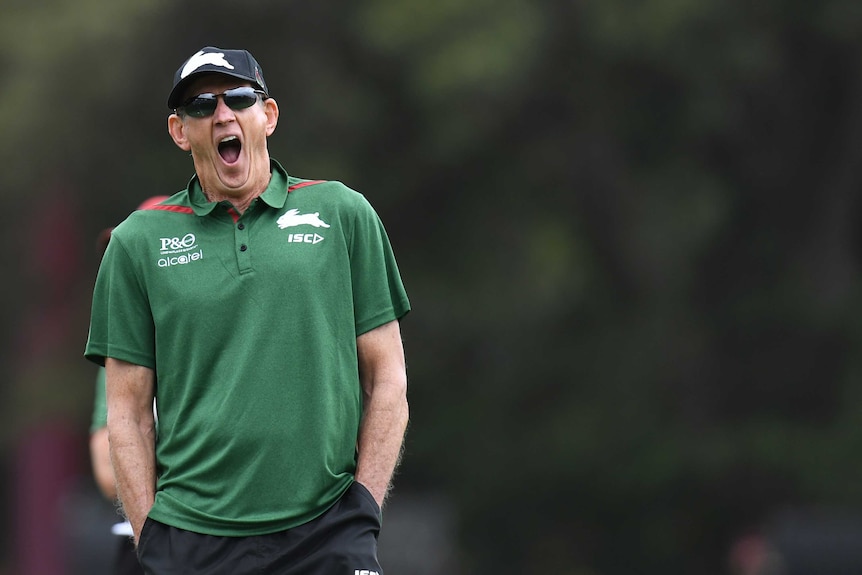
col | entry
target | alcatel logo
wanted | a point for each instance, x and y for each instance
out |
(182, 259)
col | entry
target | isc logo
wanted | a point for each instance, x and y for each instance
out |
(306, 239)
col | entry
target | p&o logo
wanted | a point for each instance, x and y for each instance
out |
(177, 244)
(179, 251)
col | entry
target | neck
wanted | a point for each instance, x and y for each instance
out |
(240, 204)
(238, 188)
(239, 199)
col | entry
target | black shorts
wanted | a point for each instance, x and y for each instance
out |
(342, 541)
(126, 560)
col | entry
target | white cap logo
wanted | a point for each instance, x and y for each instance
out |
(202, 59)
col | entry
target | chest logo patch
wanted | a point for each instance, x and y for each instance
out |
(292, 218)
(179, 251)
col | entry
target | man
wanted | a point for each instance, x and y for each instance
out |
(261, 312)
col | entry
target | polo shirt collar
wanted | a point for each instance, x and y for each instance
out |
(275, 194)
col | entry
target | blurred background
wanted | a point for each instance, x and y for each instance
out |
(630, 232)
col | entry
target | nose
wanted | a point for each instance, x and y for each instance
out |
(222, 112)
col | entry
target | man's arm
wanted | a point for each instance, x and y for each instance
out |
(131, 430)
(383, 375)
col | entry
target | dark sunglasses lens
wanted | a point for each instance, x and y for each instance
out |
(201, 106)
(205, 104)
(240, 98)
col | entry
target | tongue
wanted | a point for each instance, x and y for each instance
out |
(229, 153)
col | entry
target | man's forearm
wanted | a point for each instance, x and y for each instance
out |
(131, 433)
(133, 458)
(383, 377)
(381, 437)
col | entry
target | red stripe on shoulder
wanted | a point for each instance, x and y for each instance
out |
(178, 209)
(303, 184)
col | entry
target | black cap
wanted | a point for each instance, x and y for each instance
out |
(237, 63)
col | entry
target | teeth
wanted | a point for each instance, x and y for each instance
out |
(228, 139)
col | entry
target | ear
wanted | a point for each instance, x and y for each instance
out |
(271, 111)
(177, 130)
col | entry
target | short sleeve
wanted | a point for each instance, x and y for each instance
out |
(378, 291)
(121, 323)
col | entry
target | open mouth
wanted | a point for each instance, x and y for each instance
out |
(229, 149)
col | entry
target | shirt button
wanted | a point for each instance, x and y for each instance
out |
(241, 226)
(243, 247)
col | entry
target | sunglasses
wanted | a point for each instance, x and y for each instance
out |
(204, 105)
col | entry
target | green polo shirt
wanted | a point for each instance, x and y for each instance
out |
(250, 323)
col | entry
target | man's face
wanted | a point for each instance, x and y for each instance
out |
(229, 147)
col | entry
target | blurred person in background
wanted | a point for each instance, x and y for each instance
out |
(125, 560)
(261, 312)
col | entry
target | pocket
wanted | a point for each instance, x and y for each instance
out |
(366, 494)
(146, 531)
